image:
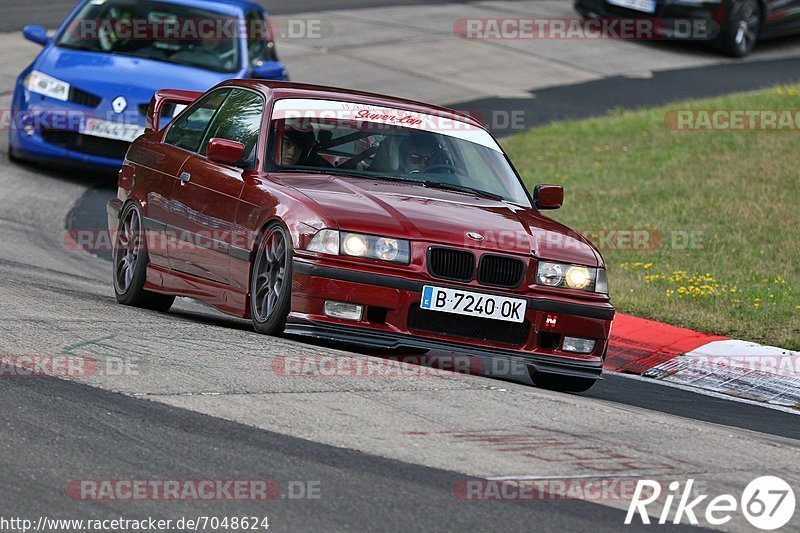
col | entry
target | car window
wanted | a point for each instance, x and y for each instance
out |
(239, 119)
(260, 44)
(188, 130)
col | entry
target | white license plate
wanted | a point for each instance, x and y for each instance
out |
(473, 304)
(647, 6)
(110, 130)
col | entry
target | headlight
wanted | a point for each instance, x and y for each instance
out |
(572, 277)
(326, 241)
(333, 242)
(354, 245)
(39, 83)
(387, 249)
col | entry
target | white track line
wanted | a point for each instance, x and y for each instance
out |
(706, 392)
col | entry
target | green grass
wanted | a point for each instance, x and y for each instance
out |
(739, 190)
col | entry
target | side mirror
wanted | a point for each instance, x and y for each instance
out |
(269, 70)
(548, 196)
(225, 152)
(36, 34)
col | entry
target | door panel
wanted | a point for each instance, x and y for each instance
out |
(205, 203)
(203, 213)
(155, 167)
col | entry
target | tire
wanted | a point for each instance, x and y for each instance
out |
(271, 281)
(556, 382)
(738, 36)
(130, 260)
(13, 157)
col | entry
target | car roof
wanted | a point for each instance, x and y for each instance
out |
(226, 6)
(283, 89)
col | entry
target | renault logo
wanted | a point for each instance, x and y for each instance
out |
(119, 104)
(475, 236)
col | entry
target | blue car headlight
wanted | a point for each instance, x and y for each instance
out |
(40, 83)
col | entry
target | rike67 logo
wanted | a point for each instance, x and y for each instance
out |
(767, 502)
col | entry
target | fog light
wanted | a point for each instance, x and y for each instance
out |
(343, 310)
(578, 345)
(29, 130)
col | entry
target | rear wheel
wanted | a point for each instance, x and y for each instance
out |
(739, 36)
(561, 383)
(130, 261)
(271, 281)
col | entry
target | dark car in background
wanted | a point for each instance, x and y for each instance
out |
(734, 26)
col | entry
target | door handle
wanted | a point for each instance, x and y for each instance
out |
(185, 177)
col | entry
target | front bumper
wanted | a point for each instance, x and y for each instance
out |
(392, 319)
(54, 138)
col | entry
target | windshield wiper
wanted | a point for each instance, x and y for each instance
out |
(78, 47)
(328, 171)
(440, 185)
(423, 183)
(459, 188)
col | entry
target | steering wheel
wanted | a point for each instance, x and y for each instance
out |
(107, 37)
(443, 166)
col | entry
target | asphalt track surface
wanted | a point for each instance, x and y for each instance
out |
(161, 442)
(596, 98)
(206, 402)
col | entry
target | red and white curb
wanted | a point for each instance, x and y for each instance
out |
(690, 359)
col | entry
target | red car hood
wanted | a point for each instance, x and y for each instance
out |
(410, 211)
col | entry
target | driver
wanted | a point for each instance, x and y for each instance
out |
(417, 153)
(292, 147)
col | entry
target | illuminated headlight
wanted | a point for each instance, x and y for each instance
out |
(390, 250)
(572, 277)
(39, 83)
(354, 245)
(578, 345)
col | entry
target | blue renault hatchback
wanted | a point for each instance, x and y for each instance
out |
(85, 97)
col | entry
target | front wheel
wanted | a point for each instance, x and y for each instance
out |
(738, 37)
(130, 261)
(12, 155)
(561, 383)
(271, 281)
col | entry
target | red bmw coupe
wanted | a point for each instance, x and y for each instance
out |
(360, 218)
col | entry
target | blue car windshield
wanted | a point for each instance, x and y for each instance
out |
(154, 30)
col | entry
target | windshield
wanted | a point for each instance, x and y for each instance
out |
(156, 30)
(378, 142)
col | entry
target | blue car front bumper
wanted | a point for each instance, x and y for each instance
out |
(48, 132)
